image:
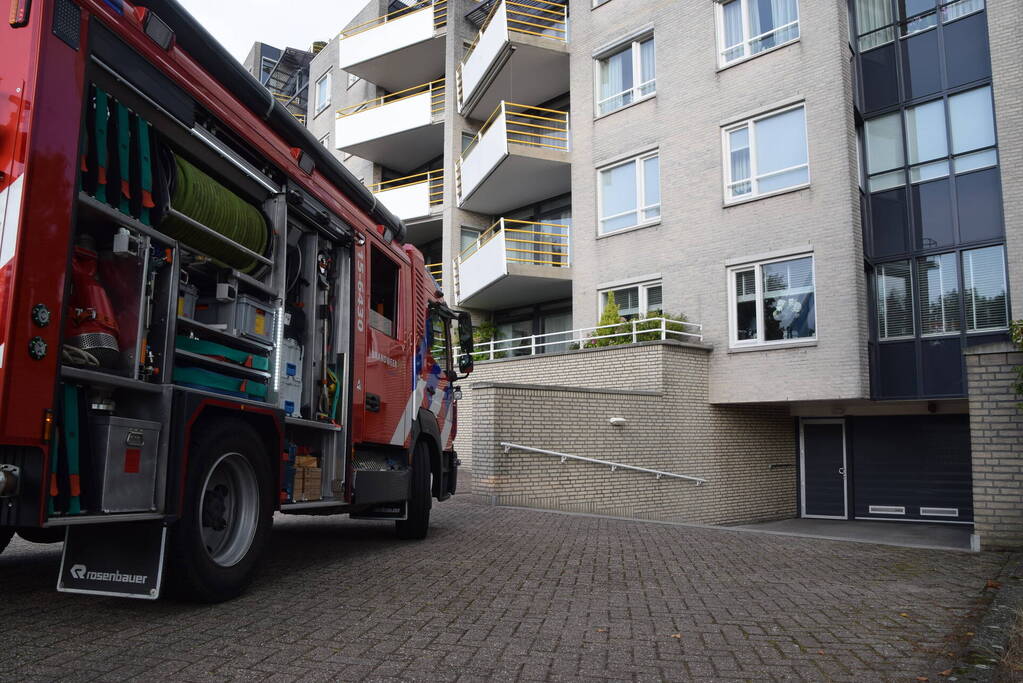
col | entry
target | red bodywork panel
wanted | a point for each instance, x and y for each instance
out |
(42, 81)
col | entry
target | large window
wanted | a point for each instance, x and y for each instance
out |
(383, 294)
(626, 76)
(953, 290)
(322, 93)
(630, 193)
(635, 301)
(876, 21)
(749, 27)
(941, 136)
(767, 154)
(773, 302)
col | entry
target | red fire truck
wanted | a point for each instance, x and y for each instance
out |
(204, 318)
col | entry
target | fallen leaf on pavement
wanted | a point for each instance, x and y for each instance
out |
(994, 584)
(601, 630)
(946, 672)
(677, 636)
(922, 678)
(820, 652)
(903, 614)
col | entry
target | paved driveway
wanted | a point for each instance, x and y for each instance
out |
(515, 594)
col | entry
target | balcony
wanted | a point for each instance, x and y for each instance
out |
(399, 48)
(416, 199)
(524, 37)
(402, 130)
(515, 263)
(520, 156)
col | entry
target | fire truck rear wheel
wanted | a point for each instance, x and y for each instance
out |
(5, 538)
(225, 526)
(418, 523)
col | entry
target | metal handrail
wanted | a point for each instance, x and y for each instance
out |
(435, 88)
(557, 22)
(635, 331)
(613, 465)
(522, 236)
(436, 270)
(553, 121)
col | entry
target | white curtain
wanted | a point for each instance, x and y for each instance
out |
(738, 143)
(648, 67)
(870, 16)
(615, 79)
(960, 9)
(732, 23)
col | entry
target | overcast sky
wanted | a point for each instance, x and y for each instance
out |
(282, 23)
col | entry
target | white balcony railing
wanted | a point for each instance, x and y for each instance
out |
(414, 196)
(392, 32)
(533, 127)
(541, 18)
(628, 332)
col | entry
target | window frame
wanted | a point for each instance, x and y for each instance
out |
(759, 343)
(643, 287)
(634, 45)
(747, 39)
(640, 209)
(754, 177)
(320, 106)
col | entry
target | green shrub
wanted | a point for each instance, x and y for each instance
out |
(610, 322)
(1017, 338)
(484, 333)
(672, 323)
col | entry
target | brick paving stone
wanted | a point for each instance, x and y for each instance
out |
(499, 594)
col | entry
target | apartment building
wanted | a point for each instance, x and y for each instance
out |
(284, 72)
(831, 188)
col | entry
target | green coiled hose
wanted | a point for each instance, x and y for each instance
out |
(206, 201)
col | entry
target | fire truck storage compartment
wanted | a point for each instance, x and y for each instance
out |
(125, 458)
(312, 464)
(243, 316)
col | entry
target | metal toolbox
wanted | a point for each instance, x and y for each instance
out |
(245, 317)
(125, 456)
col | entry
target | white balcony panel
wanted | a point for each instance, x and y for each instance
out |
(409, 202)
(522, 285)
(491, 44)
(396, 54)
(521, 179)
(401, 135)
(484, 157)
(484, 267)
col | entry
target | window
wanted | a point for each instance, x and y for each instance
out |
(469, 236)
(875, 22)
(984, 287)
(749, 27)
(322, 93)
(383, 294)
(634, 301)
(766, 155)
(626, 76)
(325, 141)
(773, 302)
(894, 300)
(352, 80)
(467, 140)
(266, 66)
(938, 282)
(967, 118)
(440, 341)
(630, 193)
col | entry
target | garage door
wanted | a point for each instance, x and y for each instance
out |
(912, 467)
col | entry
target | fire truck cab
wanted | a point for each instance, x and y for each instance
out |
(204, 318)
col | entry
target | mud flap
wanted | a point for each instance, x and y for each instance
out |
(386, 511)
(119, 560)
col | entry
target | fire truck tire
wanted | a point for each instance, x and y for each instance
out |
(34, 535)
(5, 538)
(225, 525)
(418, 523)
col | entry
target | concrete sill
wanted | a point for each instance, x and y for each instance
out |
(773, 347)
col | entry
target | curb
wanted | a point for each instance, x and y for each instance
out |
(985, 650)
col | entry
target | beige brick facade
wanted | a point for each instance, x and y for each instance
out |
(996, 433)
(746, 454)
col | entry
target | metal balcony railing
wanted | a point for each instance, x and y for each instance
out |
(435, 88)
(628, 332)
(524, 125)
(544, 18)
(287, 101)
(437, 271)
(434, 178)
(440, 17)
(528, 242)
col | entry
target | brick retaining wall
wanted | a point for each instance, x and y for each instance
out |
(996, 434)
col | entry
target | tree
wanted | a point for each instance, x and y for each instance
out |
(610, 323)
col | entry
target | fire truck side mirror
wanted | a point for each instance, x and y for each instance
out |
(465, 342)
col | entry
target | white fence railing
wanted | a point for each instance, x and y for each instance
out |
(628, 332)
(613, 465)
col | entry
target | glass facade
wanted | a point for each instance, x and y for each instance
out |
(933, 226)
